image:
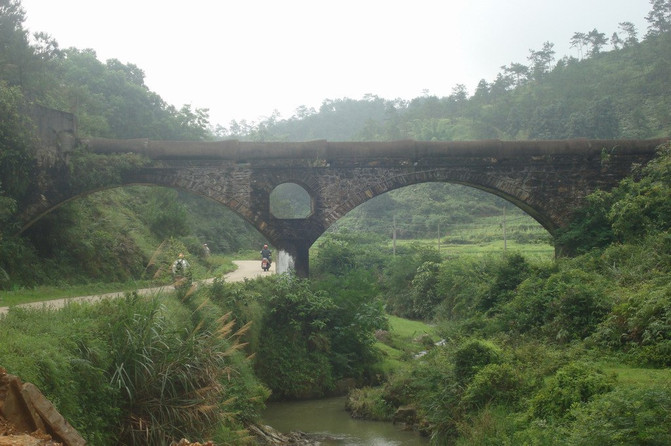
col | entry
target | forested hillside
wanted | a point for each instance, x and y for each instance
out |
(616, 90)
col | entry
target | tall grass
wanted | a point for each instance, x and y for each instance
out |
(136, 370)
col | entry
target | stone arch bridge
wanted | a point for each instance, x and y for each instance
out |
(547, 179)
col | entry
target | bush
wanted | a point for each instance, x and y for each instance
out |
(294, 355)
(494, 384)
(368, 403)
(590, 228)
(507, 276)
(462, 283)
(529, 310)
(291, 367)
(423, 292)
(641, 324)
(644, 206)
(624, 416)
(342, 253)
(472, 357)
(566, 306)
(358, 313)
(573, 384)
(429, 385)
(578, 304)
(403, 296)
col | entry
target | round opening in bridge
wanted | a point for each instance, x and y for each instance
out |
(290, 201)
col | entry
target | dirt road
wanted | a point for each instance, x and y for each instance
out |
(247, 269)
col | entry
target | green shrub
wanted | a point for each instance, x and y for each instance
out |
(568, 305)
(472, 357)
(429, 385)
(358, 312)
(406, 296)
(590, 228)
(573, 384)
(508, 274)
(368, 403)
(623, 417)
(644, 207)
(291, 366)
(307, 336)
(461, 284)
(641, 325)
(293, 358)
(344, 252)
(423, 292)
(529, 309)
(494, 384)
(648, 259)
(578, 304)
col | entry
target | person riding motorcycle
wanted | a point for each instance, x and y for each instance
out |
(265, 258)
(266, 253)
(180, 271)
(180, 265)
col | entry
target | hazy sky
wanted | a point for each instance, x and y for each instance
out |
(243, 59)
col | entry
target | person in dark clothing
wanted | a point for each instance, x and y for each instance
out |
(266, 253)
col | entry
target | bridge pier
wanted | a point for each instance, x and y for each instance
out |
(293, 256)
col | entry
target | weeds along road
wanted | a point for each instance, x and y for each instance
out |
(247, 269)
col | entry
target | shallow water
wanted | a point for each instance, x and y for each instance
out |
(328, 417)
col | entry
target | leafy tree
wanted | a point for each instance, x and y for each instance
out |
(659, 18)
(596, 41)
(518, 72)
(541, 60)
(599, 120)
(14, 48)
(16, 143)
(629, 29)
(577, 304)
(579, 40)
(423, 291)
(616, 41)
(549, 121)
(590, 228)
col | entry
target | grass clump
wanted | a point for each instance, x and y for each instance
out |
(136, 370)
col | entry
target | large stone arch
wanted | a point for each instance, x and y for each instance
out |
(514, 194)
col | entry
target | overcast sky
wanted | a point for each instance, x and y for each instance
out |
(244, 59)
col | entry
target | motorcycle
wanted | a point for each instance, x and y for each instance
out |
(265, 264)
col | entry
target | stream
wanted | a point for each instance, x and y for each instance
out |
(328, 417)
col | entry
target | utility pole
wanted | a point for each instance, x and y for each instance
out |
(394, 235)
(505, 242)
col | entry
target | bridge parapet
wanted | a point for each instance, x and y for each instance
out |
(351, 152)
